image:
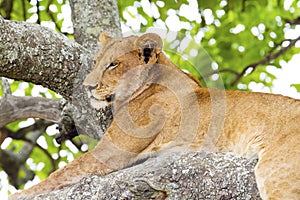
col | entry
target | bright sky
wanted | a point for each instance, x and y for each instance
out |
(287, 75)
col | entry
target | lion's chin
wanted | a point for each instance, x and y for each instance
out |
(99, 104)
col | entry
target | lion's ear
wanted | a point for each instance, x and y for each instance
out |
(103, 38)
(149, 46)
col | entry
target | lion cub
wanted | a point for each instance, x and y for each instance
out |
(157, 107)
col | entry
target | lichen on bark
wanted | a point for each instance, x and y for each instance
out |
(36, 54)
(179, 175)
(92, 19)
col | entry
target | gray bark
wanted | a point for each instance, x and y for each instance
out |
(41, 56)
(44, 57)
(32, 53)
(194, 175)
(15, 108)
(90, 19)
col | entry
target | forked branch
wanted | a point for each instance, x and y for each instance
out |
(265, 60)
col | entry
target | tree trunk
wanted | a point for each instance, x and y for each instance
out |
(90, 19)
(44, 57)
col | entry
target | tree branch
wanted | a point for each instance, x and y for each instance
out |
(192, 175)
(14, 108)
(5, 86)
(265, 60)
(36, 54)
(9, 163)
(12, 162)
(293, 21)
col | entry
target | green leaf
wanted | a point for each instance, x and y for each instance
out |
(297, 86)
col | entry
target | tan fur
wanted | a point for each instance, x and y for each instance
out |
(158, 107)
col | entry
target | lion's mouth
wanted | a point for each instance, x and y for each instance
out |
(99, 104)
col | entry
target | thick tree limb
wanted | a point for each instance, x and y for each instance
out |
(41, 56)
(15, 108)
(36, 54)
(194, 175)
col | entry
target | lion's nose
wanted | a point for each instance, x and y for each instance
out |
(91, 87)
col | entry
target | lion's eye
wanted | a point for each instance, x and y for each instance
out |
(112, 65)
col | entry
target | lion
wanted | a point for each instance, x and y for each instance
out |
(157, 108)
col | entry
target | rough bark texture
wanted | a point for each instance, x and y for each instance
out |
(32, 53)
(194, 175)
(41, 56)
(90, 19)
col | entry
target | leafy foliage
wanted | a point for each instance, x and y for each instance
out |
(50, 13)
(235, 34)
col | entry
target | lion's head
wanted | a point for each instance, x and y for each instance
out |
(116, 57)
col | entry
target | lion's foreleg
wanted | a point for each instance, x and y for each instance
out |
(70, 174)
